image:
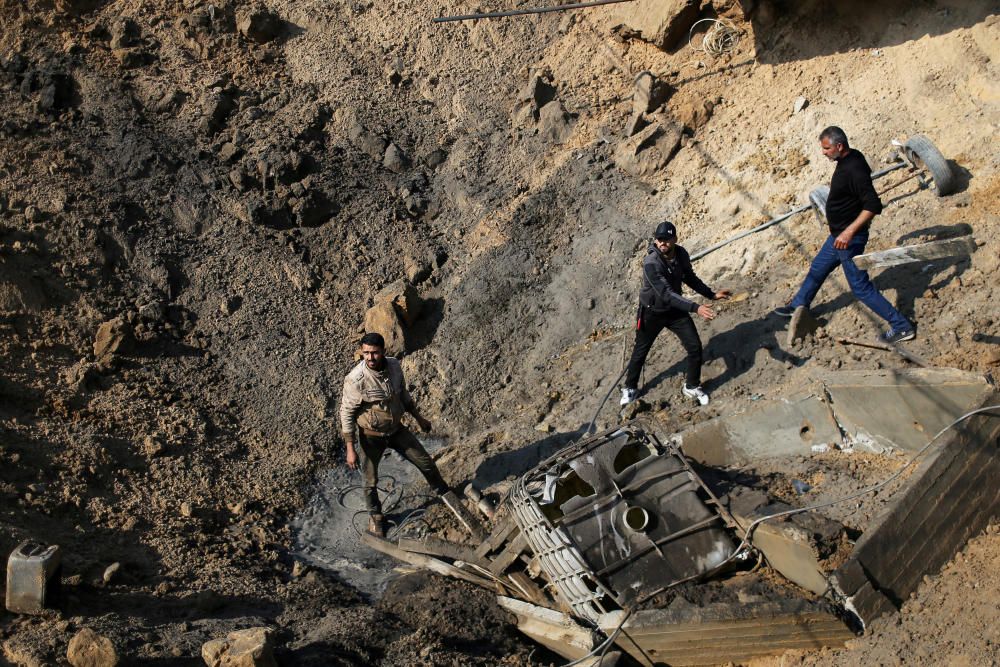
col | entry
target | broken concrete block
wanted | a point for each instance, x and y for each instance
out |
(33, 577)
(635, 124)
(253, 647)
(649, 94)
(648, 151)
(664, 23)
(89, 649)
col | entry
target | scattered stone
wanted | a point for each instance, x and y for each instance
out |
(694, 115)
(635, 124)
(650, 93)
(258, 24)
(240, 179)
(124, 33)
(417, 270)
(81, 375)
(554, 123)
(634, 408)
(538, 92)
(89, 649)
(230, 304)
(544, 427)
(648, 151)
(187, 510)
(113, 337)
(110, 572)
(436, 158)
(229, 152)
(395, 159)
(253, 647)
(800, 104)
(367, 141)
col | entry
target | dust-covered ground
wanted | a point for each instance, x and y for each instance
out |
(199, 201)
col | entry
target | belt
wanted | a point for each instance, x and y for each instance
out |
(376, 434)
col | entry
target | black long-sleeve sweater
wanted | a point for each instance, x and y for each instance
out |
(662, 278)
(851, 191)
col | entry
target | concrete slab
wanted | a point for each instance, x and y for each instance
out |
(901, 408)
(773, 429)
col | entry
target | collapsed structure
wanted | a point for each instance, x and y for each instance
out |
(661, 544)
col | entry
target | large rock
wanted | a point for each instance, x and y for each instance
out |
(113, 337)
(396, 308)
(664, 23)
(648, 151)
(89, 649)
(253, 647)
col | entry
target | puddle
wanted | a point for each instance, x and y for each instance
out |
(327, 530)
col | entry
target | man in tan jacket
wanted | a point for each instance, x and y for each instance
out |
(373, 403)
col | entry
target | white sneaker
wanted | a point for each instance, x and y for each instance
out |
(628, 395)
(695, 392)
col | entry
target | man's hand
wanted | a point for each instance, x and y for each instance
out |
(723, 294)
(425, 425)
(843, 239)
(351, 456)
(706, 312)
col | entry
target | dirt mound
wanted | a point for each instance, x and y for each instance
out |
(232, 185)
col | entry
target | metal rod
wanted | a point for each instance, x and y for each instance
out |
(522, 12)
(783, 217)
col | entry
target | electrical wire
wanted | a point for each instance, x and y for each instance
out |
(722, 37)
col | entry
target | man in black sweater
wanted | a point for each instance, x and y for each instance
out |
(661, 305)
(850, 208)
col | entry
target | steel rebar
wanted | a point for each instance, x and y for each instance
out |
(522, 12)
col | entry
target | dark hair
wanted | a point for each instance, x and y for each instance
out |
(373, 338)
(835, 135)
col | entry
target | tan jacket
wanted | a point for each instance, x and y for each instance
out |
(374, 401)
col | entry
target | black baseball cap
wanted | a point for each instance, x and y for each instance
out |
(665, 230)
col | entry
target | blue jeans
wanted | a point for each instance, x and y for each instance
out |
(827, 260)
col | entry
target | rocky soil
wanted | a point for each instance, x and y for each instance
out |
(202, 204)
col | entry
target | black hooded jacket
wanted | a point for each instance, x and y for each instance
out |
(662, 279)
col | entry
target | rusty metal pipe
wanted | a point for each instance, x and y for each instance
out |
(523, 12)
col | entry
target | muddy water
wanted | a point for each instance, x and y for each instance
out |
(327, 531)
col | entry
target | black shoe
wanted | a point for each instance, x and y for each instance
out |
(784, 311)
(892, 337)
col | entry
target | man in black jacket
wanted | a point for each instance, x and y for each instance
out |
(664, 268)
(850, 208)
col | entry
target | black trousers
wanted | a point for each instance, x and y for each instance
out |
(681, 324)
(410, 448)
